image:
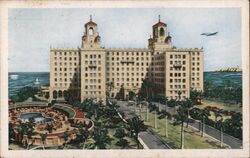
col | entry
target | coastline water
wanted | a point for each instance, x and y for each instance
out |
(18, 80)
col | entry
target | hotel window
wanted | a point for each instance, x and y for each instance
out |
(198, 69)
(99, 68)
(60, 58)
(99, 56)
(55, 53)
(171, 80)
(55, 79)
(184, 80)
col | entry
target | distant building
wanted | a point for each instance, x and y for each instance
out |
(84, 72)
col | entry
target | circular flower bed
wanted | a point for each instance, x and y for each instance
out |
(38, 124)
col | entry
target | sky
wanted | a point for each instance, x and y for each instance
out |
(33, 31)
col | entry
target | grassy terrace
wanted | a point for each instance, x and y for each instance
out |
(221, 105)
(71, 113)
(192, 137)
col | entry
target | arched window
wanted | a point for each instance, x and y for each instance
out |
(54, 94)
(65, 94)
(91, 31)
(162, 32)
(59, 93)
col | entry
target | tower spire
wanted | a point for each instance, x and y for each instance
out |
(90, 17)
(159, 16)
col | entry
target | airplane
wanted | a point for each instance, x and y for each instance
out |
(209, 34)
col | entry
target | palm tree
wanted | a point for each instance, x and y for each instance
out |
(81, 137)
(120, 134)
(43, 138)
(100, 135)
(11, 132)
(187, 103)
(65, 137)
(181, 117)
(110, 87)
(203, 115)
(147, 85)
(216, 115)
(136, 126)
(154, 108)
(220, 125)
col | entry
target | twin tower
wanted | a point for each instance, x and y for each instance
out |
(88, 71)
(160, 40)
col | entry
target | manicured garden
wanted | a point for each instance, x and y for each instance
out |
(192, 137)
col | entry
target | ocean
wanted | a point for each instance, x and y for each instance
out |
(18, 80)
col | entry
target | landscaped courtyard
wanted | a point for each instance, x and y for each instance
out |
(192, 137)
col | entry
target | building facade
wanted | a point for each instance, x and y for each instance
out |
(87, 71)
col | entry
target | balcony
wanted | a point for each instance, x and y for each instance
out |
(92, 65)
(127, 61)
(177, 65)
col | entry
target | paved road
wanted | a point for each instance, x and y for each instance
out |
(152, 141)
(149, 139)
(231, 141)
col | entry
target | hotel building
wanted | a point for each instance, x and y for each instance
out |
(86, 71)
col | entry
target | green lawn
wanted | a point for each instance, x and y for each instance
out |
(193, 139)
(221, 105)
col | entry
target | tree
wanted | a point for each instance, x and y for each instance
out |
(136, 126)
(50, 127)
(152, 107)
(204, 114)
(101, 138)
(43, 138)
(65, 137)
(220, 125)
(11, 132)
(181, 117)
(147, 86)
(81, 137)
(110, 87)
(187, 103)
(120, 134)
